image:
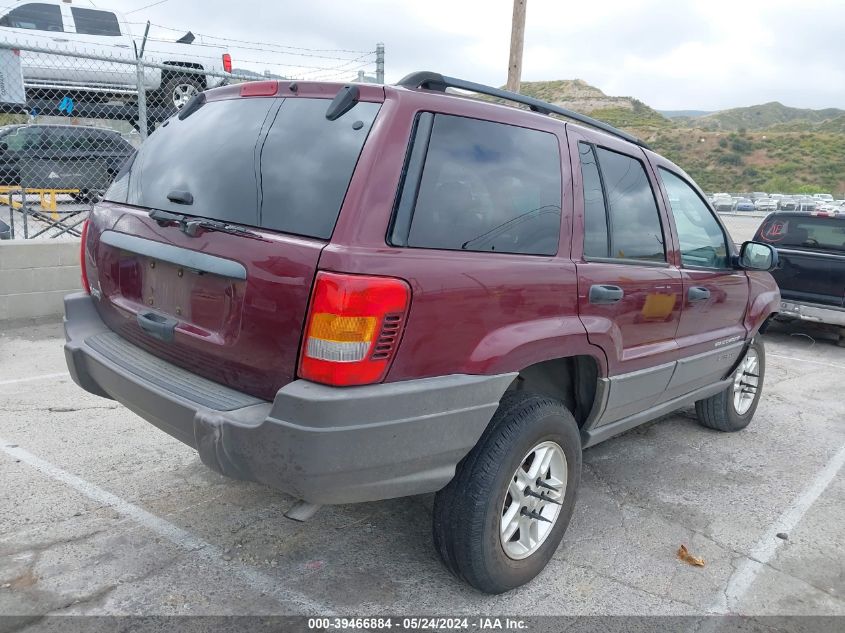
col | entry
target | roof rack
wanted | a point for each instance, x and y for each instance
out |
(435, 81)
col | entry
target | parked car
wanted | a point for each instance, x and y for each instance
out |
(766, 204)
(823, 196)
(744, 204)
(757, 195)
(58, 25)
(811, 274)
(788, 203)
(827, 208)
(806, 204)
(723, 204)
(299, 328)
(77, 157)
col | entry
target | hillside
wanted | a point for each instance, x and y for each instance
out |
(762, 116)
(683, 114)
(770, 147)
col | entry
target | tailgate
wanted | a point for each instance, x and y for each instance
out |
(270, 174)
(222, 306)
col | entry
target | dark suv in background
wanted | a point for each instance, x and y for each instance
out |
(44, 156)
(362, 292)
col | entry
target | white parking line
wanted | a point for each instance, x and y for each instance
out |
(202, 549)
(766, 547)
(34, 378)
(807, 360)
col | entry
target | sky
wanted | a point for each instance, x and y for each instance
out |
(671, 54)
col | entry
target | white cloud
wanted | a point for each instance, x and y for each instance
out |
(672, 54)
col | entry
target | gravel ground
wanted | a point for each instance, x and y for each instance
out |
(100, 513)
(103, 514)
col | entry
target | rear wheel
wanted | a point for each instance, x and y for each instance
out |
(733, 408)
(500, 520)
(177, 90)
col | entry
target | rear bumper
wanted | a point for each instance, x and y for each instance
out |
(812, 312)
(318, 443)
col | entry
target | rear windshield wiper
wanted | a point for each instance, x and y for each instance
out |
(190, 228)
(191, 225)
(165, 217)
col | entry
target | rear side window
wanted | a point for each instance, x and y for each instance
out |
(93, 22)
(621, 216)
(36, 16)
(265, 162)
(484, 186)
(64, 139)
(23, 138)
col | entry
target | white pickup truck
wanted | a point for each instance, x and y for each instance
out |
(69, 29)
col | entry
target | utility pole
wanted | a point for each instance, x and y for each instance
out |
(380, 63)
(517, 40)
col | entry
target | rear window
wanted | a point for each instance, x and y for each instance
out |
(483, 186)
(266, 162)
(816, 233)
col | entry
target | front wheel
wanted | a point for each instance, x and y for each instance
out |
(733, 408)
(501, 518)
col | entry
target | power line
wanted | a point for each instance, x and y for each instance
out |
(258, 48)
(271, 44)
(154, 4)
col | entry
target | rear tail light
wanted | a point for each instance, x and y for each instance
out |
(227, 62)
(83, 236)
(353, 328)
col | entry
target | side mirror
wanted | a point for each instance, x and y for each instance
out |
(757, 256)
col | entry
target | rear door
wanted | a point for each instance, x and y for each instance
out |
(229, 307)
(96, 32)
(629, 294)
(711, 333)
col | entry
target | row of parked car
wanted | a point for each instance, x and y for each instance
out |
(761, 201)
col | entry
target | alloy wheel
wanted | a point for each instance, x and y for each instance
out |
(746, 382)
(182, 93)
(533, 500)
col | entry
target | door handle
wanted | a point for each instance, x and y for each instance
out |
(697, 293)
(157, 325)
(602, 294)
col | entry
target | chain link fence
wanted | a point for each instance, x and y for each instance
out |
(70, 119)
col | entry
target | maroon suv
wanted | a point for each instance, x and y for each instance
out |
(361, 292)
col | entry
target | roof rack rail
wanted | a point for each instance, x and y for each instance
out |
(435, 81)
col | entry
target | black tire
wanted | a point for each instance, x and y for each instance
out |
(467, 512)
(171, 83)
(719, 412)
